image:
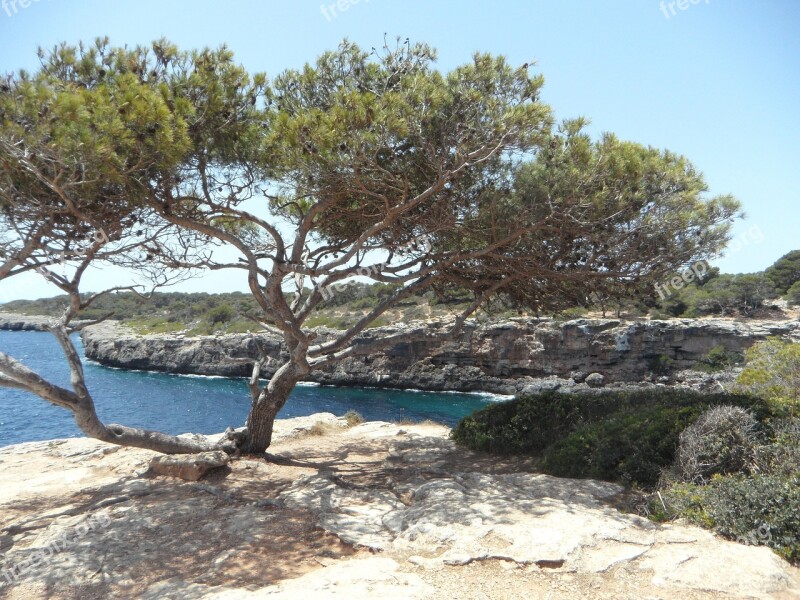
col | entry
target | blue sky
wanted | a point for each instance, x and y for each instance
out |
(715, 80)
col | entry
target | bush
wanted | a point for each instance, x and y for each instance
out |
(781, 453)
(661, 364)
(731, 294)
(630, 447)
(763, 509)
(381, 321)
(525, 425)
(618, 436)
(718, 359)
(785, 272)
(758, 505)
(722, 440)
(353, 418)
(793, 295)
(773, 372)
(222, 313)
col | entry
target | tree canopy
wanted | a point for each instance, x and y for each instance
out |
(363, 164)
(785, 272)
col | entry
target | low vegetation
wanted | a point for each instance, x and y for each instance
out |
(773, 372)
(618, 436)
(742, 295)
(204, 314)
(722, 441)
(785, 273)
(741, 475)
(755, 510)
(718, 359)
(729, 462)
(353, 418)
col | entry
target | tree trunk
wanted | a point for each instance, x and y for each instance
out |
(265, 408)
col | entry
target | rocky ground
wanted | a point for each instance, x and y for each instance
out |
(376, 510)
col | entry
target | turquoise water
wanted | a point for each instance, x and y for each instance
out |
(179, 404)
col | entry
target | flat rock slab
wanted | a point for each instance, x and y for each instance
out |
(189, 467)
(459, 518)
(357, 579)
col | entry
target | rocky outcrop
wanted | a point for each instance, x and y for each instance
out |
(17, 322)
(189, 467)
(506, 357)
(524, 518)
(376, 510)
(519, 355)
(20, 322)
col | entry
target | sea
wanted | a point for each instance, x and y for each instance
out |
(192, 403)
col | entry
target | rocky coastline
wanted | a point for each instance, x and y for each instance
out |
(509, 357)
(18, 322)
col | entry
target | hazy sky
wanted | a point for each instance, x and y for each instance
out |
(715, 80)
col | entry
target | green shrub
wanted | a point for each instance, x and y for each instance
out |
(630, 447)
(525, 425)
(222, 313)
(763, 509)
(154, 325)
(353, 418)
(241, 326)
(785, 272)
(569, 314)
(781, 452)
(661, 364)
(718, 359)
(619, 436)
(793, 295)
(731, 294)
(773, 372)
(382, 321)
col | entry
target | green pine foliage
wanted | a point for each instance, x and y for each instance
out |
(785, 272)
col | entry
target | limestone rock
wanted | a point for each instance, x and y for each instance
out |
(357, 579)
(595, 380)
(190, 467)
(507, 357)
(529, 519)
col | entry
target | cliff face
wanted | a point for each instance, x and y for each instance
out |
(20, 322)
(503, 357)
(16, 322)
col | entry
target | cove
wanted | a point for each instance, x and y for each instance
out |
(189, 403)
